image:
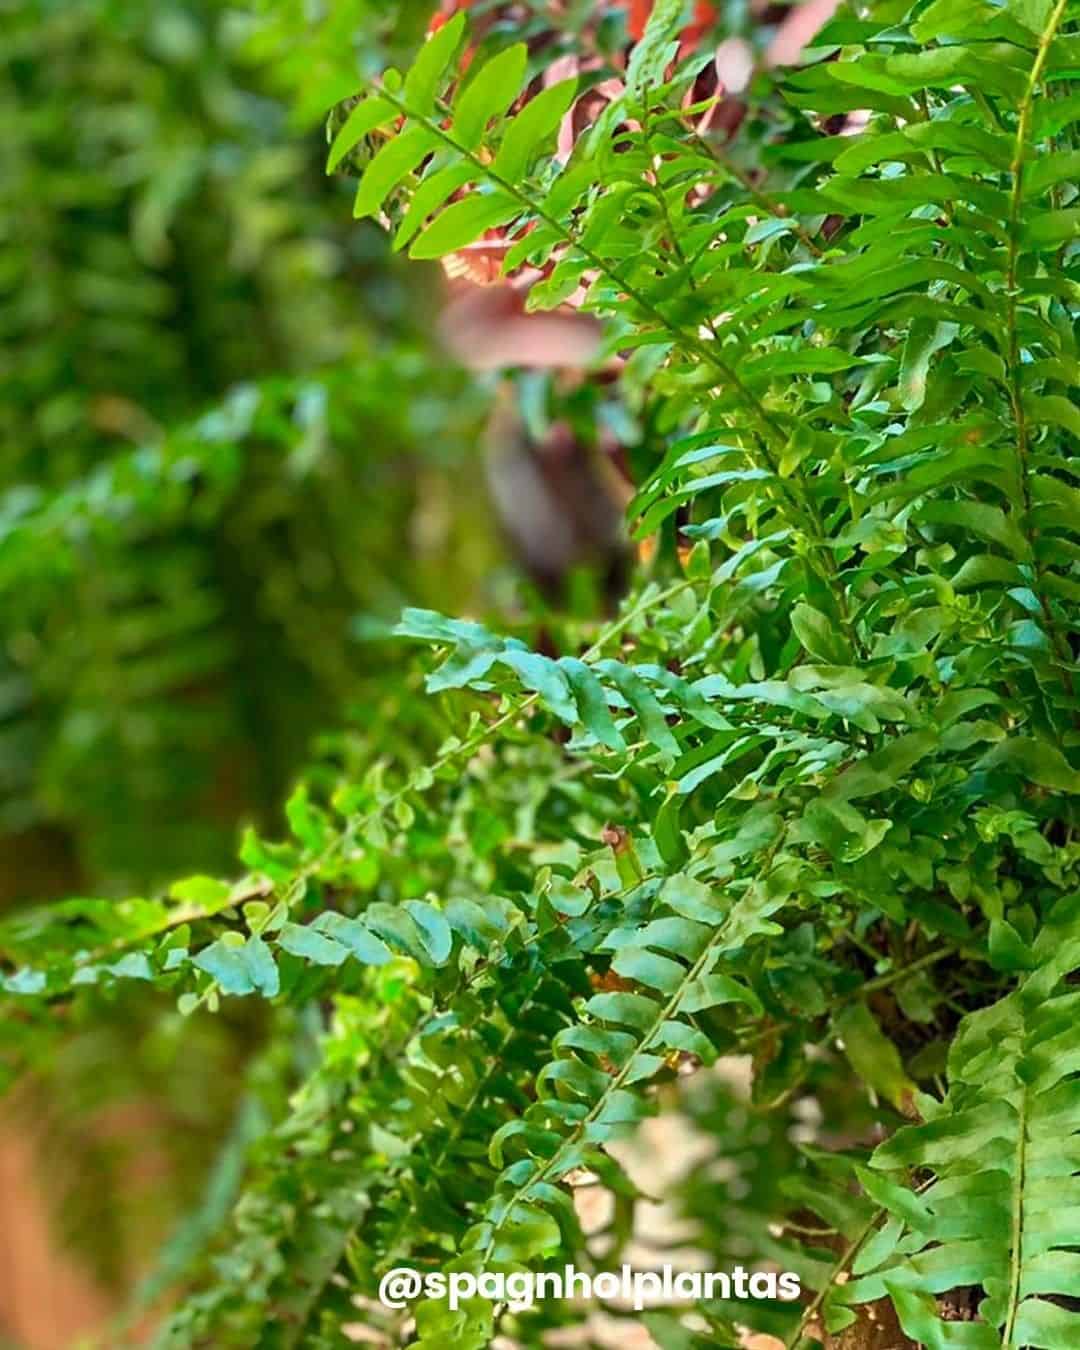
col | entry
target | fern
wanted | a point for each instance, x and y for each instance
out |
(810, 796)
(1001, 1149)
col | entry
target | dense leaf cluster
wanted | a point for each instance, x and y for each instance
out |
(185, 442)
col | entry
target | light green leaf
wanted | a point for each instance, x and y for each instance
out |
(207, 893)
(261, 966)
(463, 222)
(820, 635)
(650, 56)
(842, 830)
(711, 991)
(396, 159)
(592, 703)
(924, 339)
(1050, 229)
(547, 679)
(658, 972)
(643, 702)
(352, 934)
(365, 118)
(438, 939)
(437, 186)
(487, 94)
(421, 83)
(529, 128)
(239, 969)
(309, 944)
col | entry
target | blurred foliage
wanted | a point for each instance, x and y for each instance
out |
(228, 455)
(178, 275)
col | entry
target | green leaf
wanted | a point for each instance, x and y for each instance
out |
(437, 937)
(592, 706)
(714, 990)
(1035, 761)
(820, 635)
(489, 92)
(206, 893)
(1008, 950)
(433, 627)
(393, 162)
(463, 222)
(658, 972)
(240, 969)
(261, 966)
(421, 83)
(874, 1057)
(666, 832)
(366, 117)
(809, 361)
(25, 981)
(1050, 229)
(399, 929)
(924, 340)
(882, 769)
(988, 522)
(310, 945)
(650, 56)
(307, 823)
(1045, 173)
(692, 899)
(547, 679)
(643, 702)
(629, 1010)
(530, 128)
(919, 1320)
(436, 187)
(529, 1233)
(1012, 1105)
(351, 934)
(842, 830)
(676, 934)
(988, 67)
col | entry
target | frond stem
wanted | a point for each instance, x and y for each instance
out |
(769, 431)
(1012, 303)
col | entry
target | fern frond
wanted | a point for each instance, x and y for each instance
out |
(1001, 1152)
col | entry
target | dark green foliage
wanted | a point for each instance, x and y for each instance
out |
(188, 448)
(812, 797)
